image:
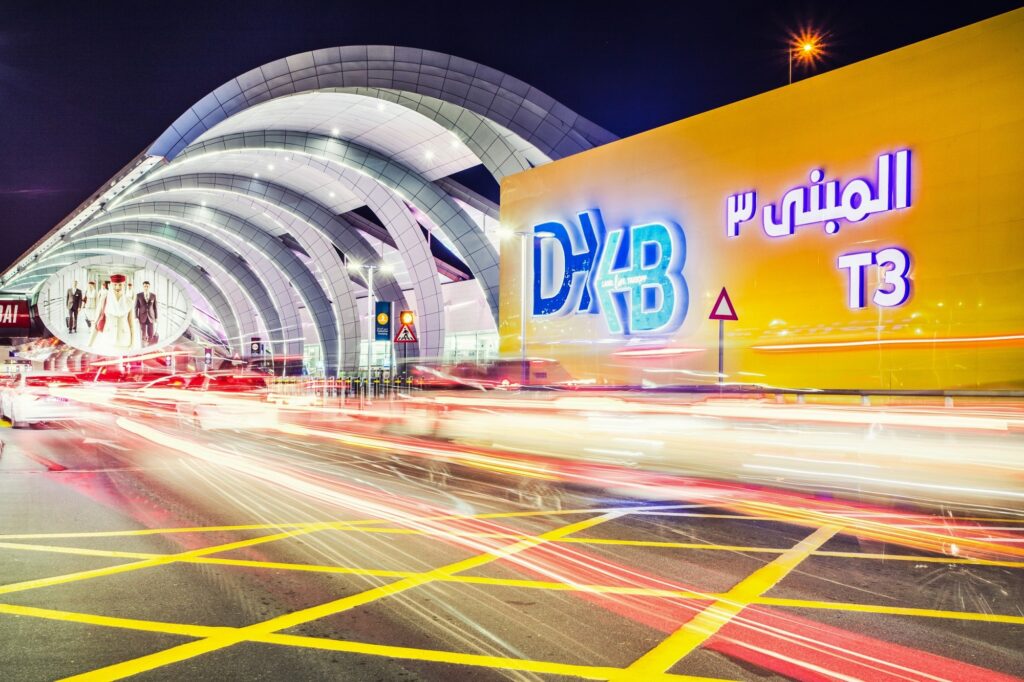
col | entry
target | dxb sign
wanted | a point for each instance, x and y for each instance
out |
(631, 276)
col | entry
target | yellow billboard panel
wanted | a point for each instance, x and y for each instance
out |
(867, 224)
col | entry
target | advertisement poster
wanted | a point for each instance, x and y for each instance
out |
(114, 310)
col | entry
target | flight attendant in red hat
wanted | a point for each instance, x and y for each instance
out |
(114, 331)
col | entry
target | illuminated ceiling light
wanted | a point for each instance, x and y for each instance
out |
(204, 203)
(429, 154)
(255, 175)
(335, 132)
(354, 265)
(270, 166)
(380, 106)
(332, 195)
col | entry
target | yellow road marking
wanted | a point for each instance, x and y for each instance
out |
(891, 610)
(84, 551)
(587, 672)
(333, 525)
(342, 525)
(547, 585)
(147, 563)
(901, 535)
(111, 622)
(705, 624)
(671, 545)
(151, 531)
(583, 587)
(545, 667)
(544, 585)
(924, 559)
(401, 574)
(197, 648)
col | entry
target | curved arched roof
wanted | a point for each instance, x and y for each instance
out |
(271, 194)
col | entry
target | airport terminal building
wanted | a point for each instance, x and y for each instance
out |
(858, 229)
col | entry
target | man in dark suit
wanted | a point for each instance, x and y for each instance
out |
(145, 313)
(74, 302)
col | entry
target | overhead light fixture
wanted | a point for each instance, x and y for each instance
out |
(429, 154)
(270, 166)
(255, 175)
(335, 132)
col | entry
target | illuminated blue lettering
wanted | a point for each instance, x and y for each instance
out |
(648, 294)
(571, 284)
(632, 276)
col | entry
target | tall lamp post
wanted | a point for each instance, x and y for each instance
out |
(369, 269)
(805, 47)
(526, 240)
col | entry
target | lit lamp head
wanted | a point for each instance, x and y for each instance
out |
(807, 47)
(407, 317)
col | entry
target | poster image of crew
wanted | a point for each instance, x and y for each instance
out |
(114, 332)
(146, 314)
(114, 310)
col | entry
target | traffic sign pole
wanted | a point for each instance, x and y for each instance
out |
(722, 310)
(721, 352)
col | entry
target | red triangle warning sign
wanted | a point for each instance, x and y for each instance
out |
(723, 308)
(405, 334)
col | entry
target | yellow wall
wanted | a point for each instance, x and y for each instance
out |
(957, 101)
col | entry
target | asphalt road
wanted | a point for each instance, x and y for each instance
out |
(137, 549)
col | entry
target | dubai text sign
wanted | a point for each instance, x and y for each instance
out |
(14, 314)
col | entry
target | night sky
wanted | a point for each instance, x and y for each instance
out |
(85, 86)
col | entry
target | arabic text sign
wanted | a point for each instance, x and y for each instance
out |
(935, 258)
(823, 203)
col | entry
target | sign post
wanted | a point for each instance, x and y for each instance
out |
(406, 332)
(722, 310)
(382, 331)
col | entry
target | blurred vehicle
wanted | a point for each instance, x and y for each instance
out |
(29, 399)
(160, 395)
(228, 401)
(924, 455)
(113, 376)
(501, 375)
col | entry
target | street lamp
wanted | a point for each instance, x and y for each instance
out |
(806, 47)
(356, 266)
(524, 255)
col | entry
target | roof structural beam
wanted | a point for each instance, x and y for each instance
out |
(287, 275)
(507, 101)
(381, 199)
(315, 228)
(330, 153)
